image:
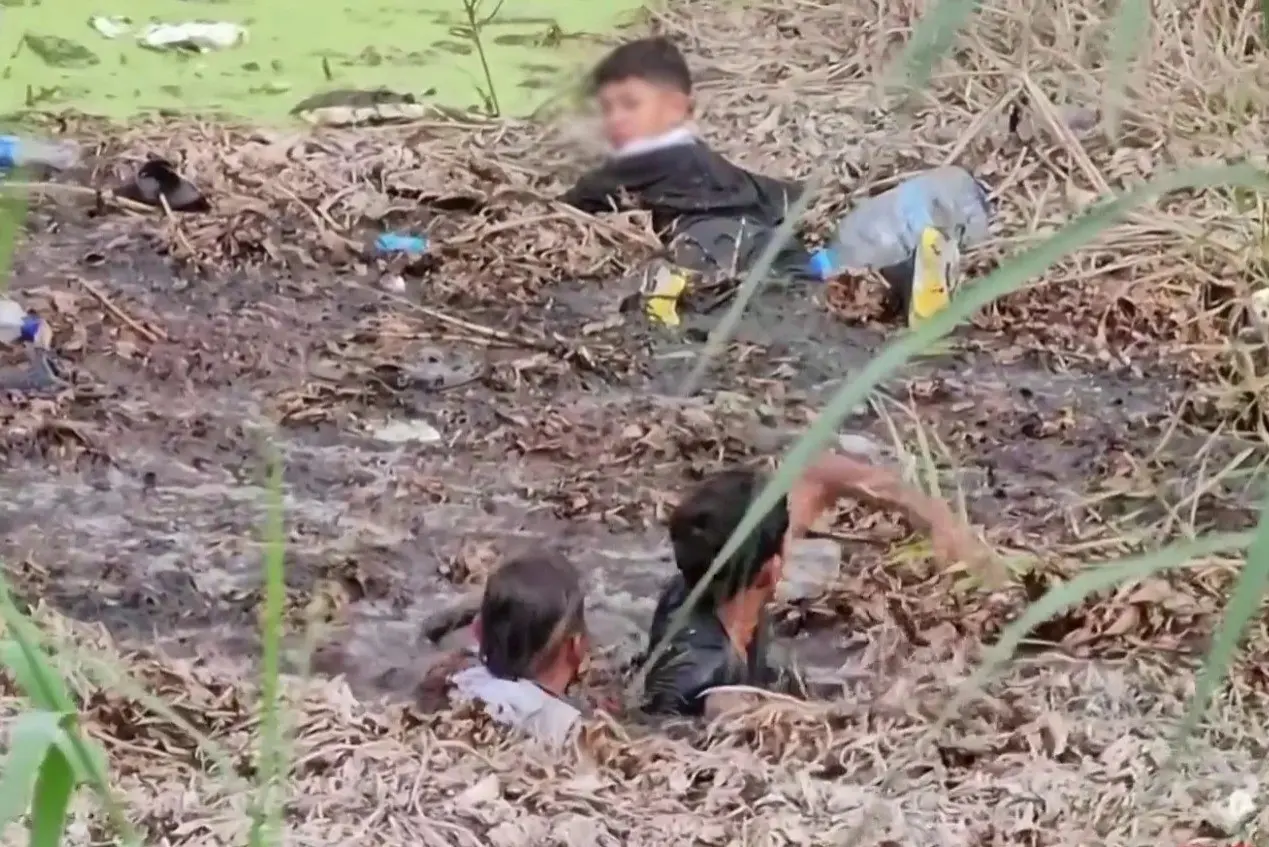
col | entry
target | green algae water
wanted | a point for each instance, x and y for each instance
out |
(53, 58)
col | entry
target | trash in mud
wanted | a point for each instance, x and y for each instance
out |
(861, 445)
(407, 432)
(662, 291)
(1259, 311)
(18, 326)
(157, 182)
(198, 36)
(392, 242)
(1232, 814)
(351, 107)
(111, 26)
(912, 235)
(17, 151)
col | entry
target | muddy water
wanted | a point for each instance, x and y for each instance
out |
(161, 541)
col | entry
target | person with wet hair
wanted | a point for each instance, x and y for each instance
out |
(725, 639)
(531, 632)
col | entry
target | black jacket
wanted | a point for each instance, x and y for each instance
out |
(701, 656)
(682, 185)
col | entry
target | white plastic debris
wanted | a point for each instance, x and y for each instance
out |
(1234, 814)
(407, 432)
(202, 36)
(1260, 308)
(860, 445)
(812, 567)
(110, 26)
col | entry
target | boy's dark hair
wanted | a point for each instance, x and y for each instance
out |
(530, 606)
(706, 518)
(654, 60)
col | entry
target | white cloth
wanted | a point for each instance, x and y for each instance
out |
(518, 703)
(678, 136)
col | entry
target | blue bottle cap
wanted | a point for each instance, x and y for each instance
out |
(9, 145)
(391, 242)
(821, 265)
(30, 328)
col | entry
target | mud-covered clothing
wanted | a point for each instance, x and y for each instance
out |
(701, 656)
(712, 213)
(520, 703)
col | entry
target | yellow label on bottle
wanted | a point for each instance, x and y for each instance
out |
(661, 301)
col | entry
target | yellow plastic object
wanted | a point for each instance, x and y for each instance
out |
(932, 276)
(661, 295)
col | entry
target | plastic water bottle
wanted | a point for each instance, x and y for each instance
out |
(17, 325)
(16, 152)
(884, 231)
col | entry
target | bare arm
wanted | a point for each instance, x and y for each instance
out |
(835, 476)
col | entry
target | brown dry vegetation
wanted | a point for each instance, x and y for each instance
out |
(1101, 410)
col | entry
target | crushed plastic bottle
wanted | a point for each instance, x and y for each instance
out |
(17, 325)
(16, 152)
(885, 230)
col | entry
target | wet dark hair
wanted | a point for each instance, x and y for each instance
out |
(654, 60)
(706, 518)
(530, 606)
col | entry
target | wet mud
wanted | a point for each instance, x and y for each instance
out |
(136, 497)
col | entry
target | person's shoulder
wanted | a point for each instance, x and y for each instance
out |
(694, 659)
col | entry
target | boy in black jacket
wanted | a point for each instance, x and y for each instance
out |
(713, 215)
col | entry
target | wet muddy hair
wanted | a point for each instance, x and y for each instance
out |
(654, 60)
(531, 605)
(706, 518)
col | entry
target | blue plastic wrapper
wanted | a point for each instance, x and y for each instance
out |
(392, 242)
(30, 328)
(822, 265)
(8, 151)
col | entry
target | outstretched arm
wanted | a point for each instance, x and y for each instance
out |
(835, 476)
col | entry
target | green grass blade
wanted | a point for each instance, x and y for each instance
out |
(33, 672)
(1010, 276)
(1128, 31)
(750, 286)
(1244, 604)
(267, 812)
(1083, 585)
(13, 205)
(45, 679)
(53, 790)
(107, 674)
(30, 738)
(932, 37)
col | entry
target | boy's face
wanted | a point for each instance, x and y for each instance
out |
(635, 109)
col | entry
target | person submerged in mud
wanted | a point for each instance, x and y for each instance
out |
(532, 641)
(726, 637)
(713, 214)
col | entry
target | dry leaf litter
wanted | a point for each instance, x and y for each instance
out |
(1063, 750)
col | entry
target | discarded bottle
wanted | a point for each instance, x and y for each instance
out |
(17, 325)
(885, 230)
(821, 265)
(392, 242)
(16, 152)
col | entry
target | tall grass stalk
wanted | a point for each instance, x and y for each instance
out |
(754, 279)
(13, 205)
(266, 809)
(48, 755)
